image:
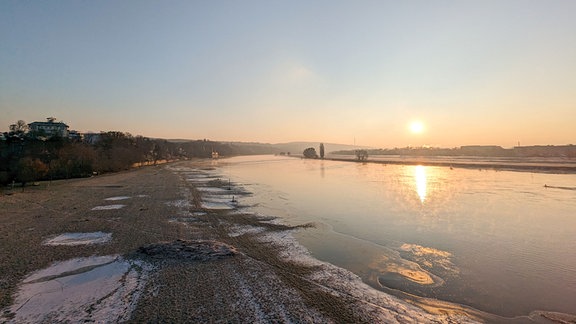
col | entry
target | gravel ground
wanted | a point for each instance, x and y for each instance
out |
(211, 265)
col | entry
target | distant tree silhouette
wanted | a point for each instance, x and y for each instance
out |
(361, 155)
(19, 129)
(321, 150)
(310, 153)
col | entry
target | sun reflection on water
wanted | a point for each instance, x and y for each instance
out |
(420, 180)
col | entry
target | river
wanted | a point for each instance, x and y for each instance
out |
(500, 242)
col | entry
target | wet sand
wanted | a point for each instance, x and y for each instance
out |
(196, 258)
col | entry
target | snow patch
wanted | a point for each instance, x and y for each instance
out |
(79, 238)
(108, 207)
(217, 205)
(117, 198)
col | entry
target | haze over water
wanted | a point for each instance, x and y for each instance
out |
(499, 242)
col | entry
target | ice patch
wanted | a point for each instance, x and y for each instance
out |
(430, 257)
(338, 281)
(217, 205)
(117, 198)
(108, 207)
(101, 289)
(80, 238)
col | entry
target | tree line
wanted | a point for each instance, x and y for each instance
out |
(26, 157)
(310, 153)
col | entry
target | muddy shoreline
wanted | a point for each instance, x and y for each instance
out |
(206, 261)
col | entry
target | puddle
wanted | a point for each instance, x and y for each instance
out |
(117, 198)
(108, 207)
(100, 289)
(80, 238)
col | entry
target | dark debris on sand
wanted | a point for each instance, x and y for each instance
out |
(197, 250)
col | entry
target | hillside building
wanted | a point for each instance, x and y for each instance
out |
(49, 128)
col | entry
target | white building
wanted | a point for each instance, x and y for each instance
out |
(49, 128)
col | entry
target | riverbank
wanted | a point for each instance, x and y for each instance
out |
(544, 165)
(185, 252)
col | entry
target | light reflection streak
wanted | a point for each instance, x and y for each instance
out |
(420, 179)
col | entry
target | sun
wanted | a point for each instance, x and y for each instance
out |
(416, 127)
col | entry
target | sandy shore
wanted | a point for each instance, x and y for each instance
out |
(170, 246)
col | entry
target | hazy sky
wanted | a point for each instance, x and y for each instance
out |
(474, 72)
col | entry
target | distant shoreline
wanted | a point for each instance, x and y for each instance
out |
(541, 165)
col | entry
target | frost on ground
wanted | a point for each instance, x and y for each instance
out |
(79, 238)
(101, 289)
(213, 190)
(117, 198)
(108, 207)
(183, 203)
(218, 205)
(213, 201)
(238, 230)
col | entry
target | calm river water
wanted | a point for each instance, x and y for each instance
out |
(500, 242)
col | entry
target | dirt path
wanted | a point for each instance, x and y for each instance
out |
(267, 277)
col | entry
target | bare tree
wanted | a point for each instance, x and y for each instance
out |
(361, 155)
(19, 128)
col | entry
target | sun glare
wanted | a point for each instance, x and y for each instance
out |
(420, 179)
(416, 127)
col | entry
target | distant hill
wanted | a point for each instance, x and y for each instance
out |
(290, 147)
